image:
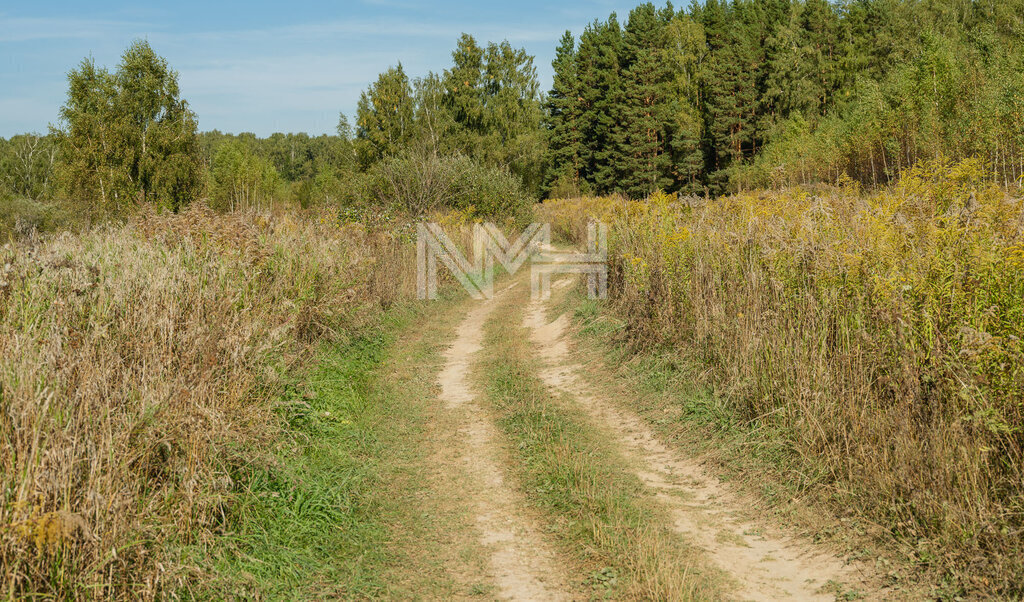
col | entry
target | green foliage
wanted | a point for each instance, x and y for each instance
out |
(334, 186)
(434, 123)
(912, 82)
(126, 137)
(623, 115)
(803, 60)
(486, 107)
(240, 179)
(419, 182)
(26, 166)
(598, 72)
(464, 86)
(512, 114)
(741, 93)
(685, 51)
(310, 169)
(20, 217)
(646, 86)
(385, 116)
(299, 157)
(562, 105)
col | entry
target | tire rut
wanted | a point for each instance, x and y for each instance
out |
(524, 567)
(765, 567)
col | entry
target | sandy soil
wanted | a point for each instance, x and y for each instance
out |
(524, 567)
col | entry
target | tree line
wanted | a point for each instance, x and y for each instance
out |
(125, 137)
(719, 96)
(731, 94)
(487, 106)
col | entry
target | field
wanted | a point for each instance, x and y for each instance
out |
(142, 365)
(204, 403)
(872, 341)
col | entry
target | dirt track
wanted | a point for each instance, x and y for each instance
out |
(761, 563)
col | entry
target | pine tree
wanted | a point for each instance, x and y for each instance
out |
(685, 53)
(872, 31)
(639, 134)
(804, 62)
(600, 89)
(562, 158)
(731, 89)
(463, 85)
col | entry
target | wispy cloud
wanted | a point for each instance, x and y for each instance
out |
(251, 71)
(393, 4)
(379, 29)
(271, 75)
(30, 29)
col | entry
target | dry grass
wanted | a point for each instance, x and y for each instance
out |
(881, 335)
(137, 361)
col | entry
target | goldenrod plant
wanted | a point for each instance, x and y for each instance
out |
(880, 334)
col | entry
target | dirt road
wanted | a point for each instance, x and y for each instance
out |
(528, 556)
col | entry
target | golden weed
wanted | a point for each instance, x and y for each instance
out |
(881, 334)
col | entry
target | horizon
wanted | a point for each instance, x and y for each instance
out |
(265, 69)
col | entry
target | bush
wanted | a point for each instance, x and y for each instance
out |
(421, 182)
(20, 217)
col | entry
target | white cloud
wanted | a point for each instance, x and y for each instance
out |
(28, 29)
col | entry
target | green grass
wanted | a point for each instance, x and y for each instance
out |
(335, 509)
(596, 507)
(310, 518)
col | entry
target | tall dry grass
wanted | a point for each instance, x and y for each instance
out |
(139, 362)
(880, 335)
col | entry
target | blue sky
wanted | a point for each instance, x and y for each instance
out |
(264, 67)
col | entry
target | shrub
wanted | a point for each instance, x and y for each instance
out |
(20, 217)
(240, 179)
(422, 182)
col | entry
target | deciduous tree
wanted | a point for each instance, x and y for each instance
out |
(127, 137)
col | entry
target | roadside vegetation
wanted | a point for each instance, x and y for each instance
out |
(347, 502)
(815, 223)
(876, 335)
(141, 364)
